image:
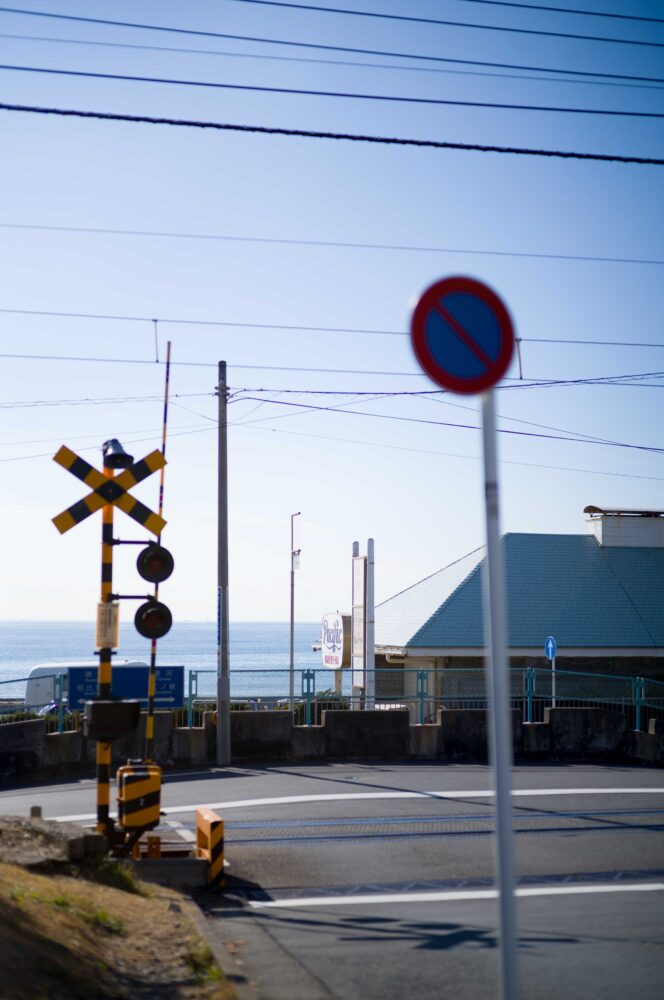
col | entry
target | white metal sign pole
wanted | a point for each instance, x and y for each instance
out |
(553, 681)
(370, 656)
(500, 720)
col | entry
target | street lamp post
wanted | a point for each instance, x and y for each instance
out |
(293, 554)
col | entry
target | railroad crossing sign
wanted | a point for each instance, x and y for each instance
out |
(462, 335)
(109, 490)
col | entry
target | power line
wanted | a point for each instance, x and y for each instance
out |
(452, 24)
(90, 401)
(206, 364)
(621, 78)
(295, 328)
(431, 395)
(567, 10)
(613, 79)
(195, 429)
(49, 454)
(345, 136)
(86, 437)
(517, 383)
(433, 20)
(474, 427)
(296, 91)
(341, 244)
(446, 454)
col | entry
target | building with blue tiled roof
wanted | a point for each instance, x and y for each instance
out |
(600, 594)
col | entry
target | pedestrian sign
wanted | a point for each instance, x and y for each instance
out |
(550, 647)
(111, 490)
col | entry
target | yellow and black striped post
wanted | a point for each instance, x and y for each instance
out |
(104, 676)
(139, 795)
(210, 845)
(152, 676)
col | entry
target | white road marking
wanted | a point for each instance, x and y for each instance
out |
(365, 796)
(377, 899)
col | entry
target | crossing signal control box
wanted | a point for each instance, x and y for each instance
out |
(139, 795)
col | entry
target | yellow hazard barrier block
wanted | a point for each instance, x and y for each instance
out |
(139, 796)
(210, 844)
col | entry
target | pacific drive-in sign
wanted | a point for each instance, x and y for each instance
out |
(335, 640)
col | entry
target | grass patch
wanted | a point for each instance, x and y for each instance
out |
(68, 937)
(202, 964)
(115, 874)
(102, 920)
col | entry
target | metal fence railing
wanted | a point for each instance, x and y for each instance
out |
(425, 692)
(54, 711)
(422, 692)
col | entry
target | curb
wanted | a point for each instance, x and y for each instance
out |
(253, 962)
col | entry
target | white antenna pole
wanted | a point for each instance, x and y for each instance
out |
(370, 656)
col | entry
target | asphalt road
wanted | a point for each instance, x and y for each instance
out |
(373, 881)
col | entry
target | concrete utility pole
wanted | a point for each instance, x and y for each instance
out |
(223, 673)
(293, 553)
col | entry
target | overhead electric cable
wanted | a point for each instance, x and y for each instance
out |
(613, 79)
(349, 137)
(341, 244)
(474, 427)
(208, 364)
(295, 328)
(433, 20)
(446, 454)
(89, 401)
(431, 395)
(567, 10)
(452, 24)
(295, 91)
(622, 79)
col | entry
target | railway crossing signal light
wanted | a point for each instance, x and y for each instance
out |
(155, 563)
(153, 620)
(115, 457)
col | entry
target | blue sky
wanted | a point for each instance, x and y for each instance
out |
(414, 487)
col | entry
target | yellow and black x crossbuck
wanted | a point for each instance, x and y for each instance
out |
(111, 490)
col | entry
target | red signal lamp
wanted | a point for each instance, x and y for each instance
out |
(153, 620)
(155, 563)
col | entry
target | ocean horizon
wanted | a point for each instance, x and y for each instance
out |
(259, 652)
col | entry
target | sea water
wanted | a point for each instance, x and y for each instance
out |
(259, 653)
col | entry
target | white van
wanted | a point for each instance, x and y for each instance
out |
(40, 686)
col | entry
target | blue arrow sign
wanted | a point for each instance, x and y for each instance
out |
(550, 647)
(128, 682)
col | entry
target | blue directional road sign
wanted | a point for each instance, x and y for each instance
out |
(128, 682)
(550, 647)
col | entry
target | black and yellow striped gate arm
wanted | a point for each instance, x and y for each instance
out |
(107, 490)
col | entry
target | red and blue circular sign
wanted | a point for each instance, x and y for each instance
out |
(462, 335)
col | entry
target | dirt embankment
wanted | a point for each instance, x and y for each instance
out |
(89, 930)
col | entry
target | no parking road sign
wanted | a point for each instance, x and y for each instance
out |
(462, 335)
(463, 338)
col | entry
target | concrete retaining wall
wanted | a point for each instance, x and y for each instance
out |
(261, 734)
(367, 734)
(572, 733)
(464, 733)
(586, 732)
